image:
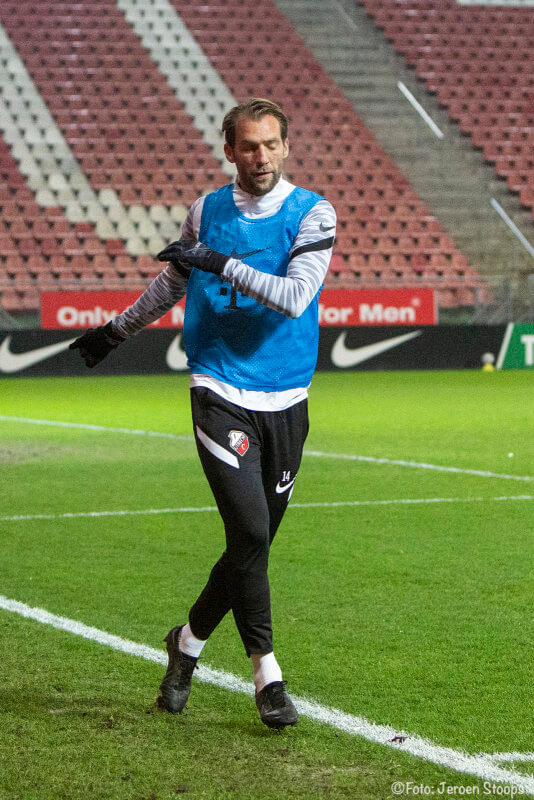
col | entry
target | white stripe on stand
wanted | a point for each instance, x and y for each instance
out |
(420, 110)
(513, 227)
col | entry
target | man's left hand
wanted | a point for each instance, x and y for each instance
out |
(188, 254)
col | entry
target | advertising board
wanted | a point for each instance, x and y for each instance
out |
(337, 308)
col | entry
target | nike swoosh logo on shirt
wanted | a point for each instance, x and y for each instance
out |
(281, 489)
(343, 356)
(324, 228)
(239, 256)
(16, 362)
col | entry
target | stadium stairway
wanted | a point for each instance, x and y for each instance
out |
(448, 173)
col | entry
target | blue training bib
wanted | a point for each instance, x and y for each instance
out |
(233, 337)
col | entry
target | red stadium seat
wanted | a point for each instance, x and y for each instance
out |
(479, 68)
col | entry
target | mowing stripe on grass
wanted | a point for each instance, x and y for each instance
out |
(312, 453)
(201, 509)
(483, 766)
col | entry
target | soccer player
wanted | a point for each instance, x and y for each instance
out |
(251, 261)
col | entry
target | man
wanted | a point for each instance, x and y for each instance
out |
(251, 261)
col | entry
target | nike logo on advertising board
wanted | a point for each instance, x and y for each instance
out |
(175, 357)
(16, 362)
(343, 356)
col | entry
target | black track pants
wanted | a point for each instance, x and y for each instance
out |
(251, 460)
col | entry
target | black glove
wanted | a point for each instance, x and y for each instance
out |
(186, 254)
(96, 343)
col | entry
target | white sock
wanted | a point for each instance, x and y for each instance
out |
(189, 644)
(266, 670)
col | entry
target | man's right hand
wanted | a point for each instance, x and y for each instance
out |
(96, 343)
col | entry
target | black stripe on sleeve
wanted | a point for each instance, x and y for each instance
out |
(322, 244)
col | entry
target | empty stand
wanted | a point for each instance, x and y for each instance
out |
(331, 149)
(41, 249)
(145, 159)
(478, 61)
(109, 99)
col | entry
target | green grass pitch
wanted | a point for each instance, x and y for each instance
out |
(415, 615)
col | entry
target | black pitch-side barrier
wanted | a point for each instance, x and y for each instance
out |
(45, 353)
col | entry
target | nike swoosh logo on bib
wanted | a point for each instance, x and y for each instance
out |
(16, 362)
(343, 356)
(239, 256)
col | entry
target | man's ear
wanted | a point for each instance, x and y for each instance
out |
(286, 148)
(229, 153)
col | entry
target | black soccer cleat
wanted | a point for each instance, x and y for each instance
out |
(275, 706)
(176, 684)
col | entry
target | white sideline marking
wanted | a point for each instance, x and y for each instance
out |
(311, 453)
(421, 465)
(411, 501)
(97, 514)
(498, 757)
(104, 428)
(513, 227)
(203, 509)
(483, 766)
(420, 110)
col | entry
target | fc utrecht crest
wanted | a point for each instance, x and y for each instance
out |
(238, 442)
